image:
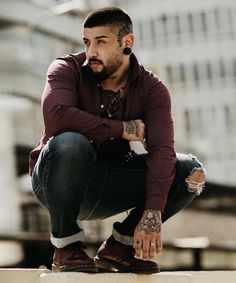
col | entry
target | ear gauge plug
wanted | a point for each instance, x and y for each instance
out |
(127, 51)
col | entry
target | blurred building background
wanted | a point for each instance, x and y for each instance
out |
(191, 46)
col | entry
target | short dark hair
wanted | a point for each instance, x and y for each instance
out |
(110, 16)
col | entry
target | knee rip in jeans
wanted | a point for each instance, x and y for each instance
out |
(196, 180)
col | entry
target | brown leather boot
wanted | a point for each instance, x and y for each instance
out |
(120, 258)
(72, 258)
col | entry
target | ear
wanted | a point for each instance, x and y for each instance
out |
(128, 40)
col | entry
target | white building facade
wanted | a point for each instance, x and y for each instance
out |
(32, 34)
(191, 45)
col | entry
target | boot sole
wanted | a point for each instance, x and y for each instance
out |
(83, 268)
(105, 265)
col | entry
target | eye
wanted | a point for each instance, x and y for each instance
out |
(86, 43)
(100, 41)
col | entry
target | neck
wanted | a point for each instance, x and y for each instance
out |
(118, 79)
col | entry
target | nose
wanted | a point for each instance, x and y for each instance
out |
(91, 51)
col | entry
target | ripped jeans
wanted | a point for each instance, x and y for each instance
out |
(73, 183)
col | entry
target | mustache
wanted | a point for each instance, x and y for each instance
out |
(93, 60)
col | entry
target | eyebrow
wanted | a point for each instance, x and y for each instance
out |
(101, 36)
(97, 37)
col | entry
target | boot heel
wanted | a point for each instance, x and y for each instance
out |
(104, 266)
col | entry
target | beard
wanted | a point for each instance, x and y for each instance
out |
(107, 69)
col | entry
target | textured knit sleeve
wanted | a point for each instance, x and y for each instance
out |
(60, 107)
(161, 156)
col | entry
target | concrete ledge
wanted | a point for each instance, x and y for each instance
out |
(213, 276)
(15, 275)
(115, 278)
(46, 276)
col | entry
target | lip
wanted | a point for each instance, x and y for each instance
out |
(94, 63)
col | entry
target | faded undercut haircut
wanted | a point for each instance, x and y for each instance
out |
(110, 16)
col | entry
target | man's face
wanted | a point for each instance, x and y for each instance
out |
(104, 53)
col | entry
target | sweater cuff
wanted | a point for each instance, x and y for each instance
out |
(116, 129)
(156, 203)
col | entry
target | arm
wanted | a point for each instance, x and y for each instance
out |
(161, 157)
(60, 107)
(161, 161)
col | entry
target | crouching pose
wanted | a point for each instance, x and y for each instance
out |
(94, 104)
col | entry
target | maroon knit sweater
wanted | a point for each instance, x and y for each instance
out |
(71, 102)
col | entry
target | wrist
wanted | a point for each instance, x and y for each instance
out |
(153, 212)
(150, 221)
(123, 123)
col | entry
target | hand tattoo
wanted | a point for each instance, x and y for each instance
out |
(132, 128)
(150, 221)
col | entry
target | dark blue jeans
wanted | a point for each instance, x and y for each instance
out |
(73, 182)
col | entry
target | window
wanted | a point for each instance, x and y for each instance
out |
(228, 118)
(231, 22)
(169, 74)
(177, 24)
(208, 71)
(177, 28)
(199, 121)
(34, 217)
(187, 122)
(22, 159)
(140, 31)
(180, 77)
(222, 68)
(213, 115)
(190, 23)
(163, 20)
(195, 74)
(203, 22)
(152, 30)
(217, 19)
(182, 74)
(4, 24)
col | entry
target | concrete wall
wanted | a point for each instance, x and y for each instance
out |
(45, 276)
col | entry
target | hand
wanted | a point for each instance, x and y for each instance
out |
(134, 130)
(147, 235)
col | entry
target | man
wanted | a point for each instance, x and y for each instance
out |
(94, 104)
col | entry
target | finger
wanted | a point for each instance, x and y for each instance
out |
(138, 248)
(159, 244)
(140, 133)
(141, 128)
(146, 248)
(153, 248)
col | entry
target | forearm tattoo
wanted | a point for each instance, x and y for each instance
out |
(150, 221)
(132, 128)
